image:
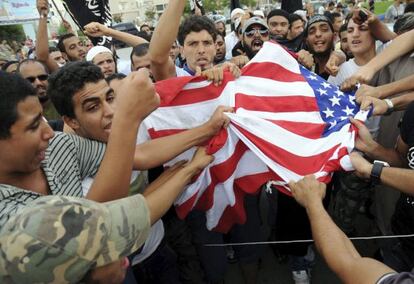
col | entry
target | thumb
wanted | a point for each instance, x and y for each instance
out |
(198, 71)
(356, 122)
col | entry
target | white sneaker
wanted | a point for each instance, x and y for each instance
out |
(301, 277)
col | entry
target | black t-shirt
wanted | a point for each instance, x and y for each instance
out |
(403, 218)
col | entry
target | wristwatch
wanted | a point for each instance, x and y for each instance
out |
(376, 171)
(390, 106)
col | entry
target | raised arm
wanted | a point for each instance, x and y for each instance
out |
(95, 29)
(162, 39)
(42, 45)
(113, 177)
(335, 247)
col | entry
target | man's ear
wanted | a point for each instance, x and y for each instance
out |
(71, 122)
(64, 55)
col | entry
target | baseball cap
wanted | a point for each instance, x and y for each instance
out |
(316, 19)
(254, 21)
(235, 12)
(59, 238)
(95, 51)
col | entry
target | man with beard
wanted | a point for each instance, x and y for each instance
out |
(37, 74)
(220, 50)
(278, 22)
(255, 33)
(319, 39)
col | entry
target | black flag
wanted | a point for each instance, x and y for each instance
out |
(85, 11)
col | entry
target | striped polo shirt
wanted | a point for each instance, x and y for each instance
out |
(68, 160)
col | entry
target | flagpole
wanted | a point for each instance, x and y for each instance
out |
(60, 14)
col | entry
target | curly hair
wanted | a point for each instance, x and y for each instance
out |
(196, 24)
(67, 81)
(13, 89)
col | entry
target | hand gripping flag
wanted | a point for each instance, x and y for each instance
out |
(288, 123)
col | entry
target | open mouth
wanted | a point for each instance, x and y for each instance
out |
(257, 44)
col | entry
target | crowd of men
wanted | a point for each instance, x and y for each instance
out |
(83, 193)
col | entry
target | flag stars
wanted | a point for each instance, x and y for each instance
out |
(339, 93)
(326, 85)
(328, 112)
(335, 101)
(351, 99)
(322, 92)
(333, 124)
(348, 111)
(312, 77)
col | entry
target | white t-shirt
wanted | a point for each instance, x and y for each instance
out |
(346, 70)
(231, 40)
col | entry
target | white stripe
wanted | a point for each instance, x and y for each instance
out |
(291, 142)
(274, 53)
(255, 86)
(224, 192)
(197, 85)
(307, 117)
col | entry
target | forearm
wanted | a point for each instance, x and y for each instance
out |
(401, 102)
(127, 38)
(334, 246)
(158, 151)
(397, 87)
(161, 199)
(42, 46)
(113, 178)
(399, 46)
(162, 39)
(391, 156)
(398, 178)
(381, 32)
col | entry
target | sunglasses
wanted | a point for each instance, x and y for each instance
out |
(251, 33)
(40, 77)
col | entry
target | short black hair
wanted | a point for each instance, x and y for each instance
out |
(29, 60)
(343, 28)
(293, 18)
(8, 63)
(139, 50)
(13, 89)
(277, 12)
(331, 4)
(196, 24)
(53, 49)
(62, 38)
(67, 81)
(409, 8)
(115, 76)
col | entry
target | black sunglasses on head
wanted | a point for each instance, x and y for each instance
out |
(43, 77)
(262, 32)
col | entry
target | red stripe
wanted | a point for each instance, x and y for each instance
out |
(191, 96)
(273, 71)
(276, 104)
(300, 165)
(220, 173)
(154, 134)
(308, 130)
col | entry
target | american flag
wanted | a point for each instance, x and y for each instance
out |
(288, 123)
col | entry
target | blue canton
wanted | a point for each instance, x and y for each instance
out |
(335, 106)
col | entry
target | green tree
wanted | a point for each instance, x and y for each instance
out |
(12, 32)
(117, 18)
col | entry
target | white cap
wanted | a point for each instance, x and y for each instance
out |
(235, 12)
(95, 51)
(259, 13)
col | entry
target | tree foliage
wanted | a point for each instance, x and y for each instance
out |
(12, 32)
